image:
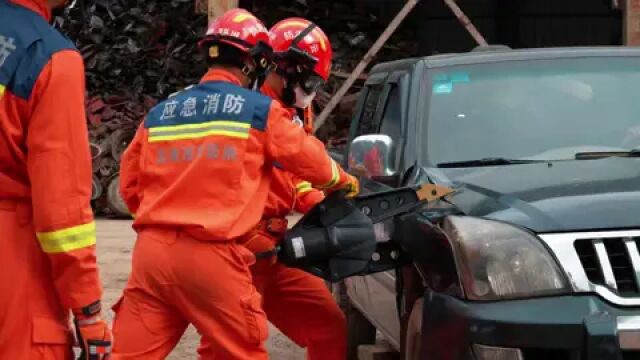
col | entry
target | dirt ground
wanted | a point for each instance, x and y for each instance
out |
(115, 242)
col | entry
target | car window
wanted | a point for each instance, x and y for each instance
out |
(392, 115)
(369, 123)
(533, 109)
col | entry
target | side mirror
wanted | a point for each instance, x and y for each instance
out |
(373, 157)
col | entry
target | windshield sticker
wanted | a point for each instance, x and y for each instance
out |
(455, 77)
(443, 88)
(443, 82)
(440, 77)
(461, 77)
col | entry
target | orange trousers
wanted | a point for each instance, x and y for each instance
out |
(176, 280)
(33, 324)
(302, 307)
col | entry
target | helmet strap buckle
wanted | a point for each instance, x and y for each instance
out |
(247, 71)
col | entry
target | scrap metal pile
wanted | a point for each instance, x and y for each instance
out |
(138, 52)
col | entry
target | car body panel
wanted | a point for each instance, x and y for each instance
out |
(557, 196)
(560, 327)
(554, 197)
(375, 294)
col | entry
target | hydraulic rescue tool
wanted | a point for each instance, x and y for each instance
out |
(336, 239)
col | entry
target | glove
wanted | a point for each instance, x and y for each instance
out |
(262, 240)
(92, 332)
(352, 185)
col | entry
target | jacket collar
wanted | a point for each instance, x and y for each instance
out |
(270, 92)
(220, 75)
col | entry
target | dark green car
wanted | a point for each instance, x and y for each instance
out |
(536, 254)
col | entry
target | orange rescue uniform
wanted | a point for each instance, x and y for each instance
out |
(47, 262)
(197, 176)
(296, 302)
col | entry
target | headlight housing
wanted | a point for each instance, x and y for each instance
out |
(499, 261)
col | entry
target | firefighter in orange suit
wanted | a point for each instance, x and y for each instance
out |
(47, 233)
(296, 302)
(197, 176)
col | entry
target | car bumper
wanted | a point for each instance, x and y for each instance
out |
(562, 327)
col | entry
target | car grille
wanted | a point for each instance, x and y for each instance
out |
(607, 263)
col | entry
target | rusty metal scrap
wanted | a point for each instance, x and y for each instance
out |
(138, 48)
(112, 123)
(135, 53)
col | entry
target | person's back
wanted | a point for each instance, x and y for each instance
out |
(48, 234)
(197, 176)
(207, 155)
(203, 159)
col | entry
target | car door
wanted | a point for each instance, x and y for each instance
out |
(375, 295)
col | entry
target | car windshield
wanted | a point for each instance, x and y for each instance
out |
(533, 110)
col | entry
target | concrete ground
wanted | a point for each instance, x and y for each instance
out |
(115, 242)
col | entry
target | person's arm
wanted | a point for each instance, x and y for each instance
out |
(307, 197)
(130, 172)
(59, 167)
(304, 155)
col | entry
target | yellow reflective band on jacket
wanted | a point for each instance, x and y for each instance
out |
(335, 176)
(68, 239)
(303, 187)
(2, 88)
(233, 129)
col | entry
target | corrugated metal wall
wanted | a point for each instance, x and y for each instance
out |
(568, 22)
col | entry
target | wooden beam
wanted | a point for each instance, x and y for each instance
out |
(464, 20)
(631, 22)
(391, 28)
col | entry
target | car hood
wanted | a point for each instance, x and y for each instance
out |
(550, 197)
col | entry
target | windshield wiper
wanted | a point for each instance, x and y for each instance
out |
(488, 162)
(591, 155)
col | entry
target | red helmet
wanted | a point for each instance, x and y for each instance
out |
(302, 42)
(238, 28)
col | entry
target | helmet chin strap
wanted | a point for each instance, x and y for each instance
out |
(302, 34)
(262, 57)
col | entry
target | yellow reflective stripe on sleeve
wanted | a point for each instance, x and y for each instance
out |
(69, 239)
(335, 176)
(303, 187)
(2, 88)
(233, 129)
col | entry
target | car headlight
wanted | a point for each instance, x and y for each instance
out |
(499, 261)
